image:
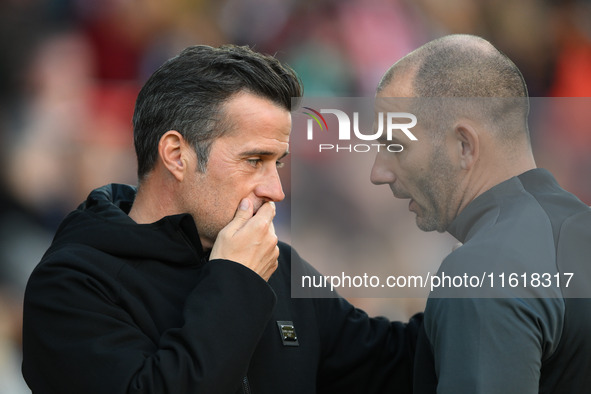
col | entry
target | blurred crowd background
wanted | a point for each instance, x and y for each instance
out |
(70, 71)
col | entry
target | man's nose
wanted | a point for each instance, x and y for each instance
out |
(270, 187)
(380, 172)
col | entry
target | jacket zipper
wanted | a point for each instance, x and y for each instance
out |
(246, 386)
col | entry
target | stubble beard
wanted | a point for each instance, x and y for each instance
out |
(437, 186)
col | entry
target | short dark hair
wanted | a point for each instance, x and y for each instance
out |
(187, 94)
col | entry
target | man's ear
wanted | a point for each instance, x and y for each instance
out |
(467, 142)
(170, 150)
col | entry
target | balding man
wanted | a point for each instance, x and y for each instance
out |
(472, 173)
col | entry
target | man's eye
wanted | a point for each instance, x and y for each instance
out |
(279, 164)
(254, 162)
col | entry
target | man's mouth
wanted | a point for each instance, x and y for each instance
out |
(412, 205)
(399, 194)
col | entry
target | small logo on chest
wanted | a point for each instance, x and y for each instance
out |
(288, 333)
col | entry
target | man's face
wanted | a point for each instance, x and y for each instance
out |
(423, 172)
(242, 163)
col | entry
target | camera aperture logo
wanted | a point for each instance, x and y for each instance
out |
(392, 124)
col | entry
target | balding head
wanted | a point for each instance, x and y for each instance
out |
(468, 68)
(460, 65)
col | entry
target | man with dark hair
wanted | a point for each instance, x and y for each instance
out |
(472, 173)
(181, 286)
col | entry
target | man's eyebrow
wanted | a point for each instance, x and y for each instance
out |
(256, 152)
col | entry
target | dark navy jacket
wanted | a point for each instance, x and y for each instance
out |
(530, 335)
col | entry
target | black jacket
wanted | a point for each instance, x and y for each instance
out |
(119, 307)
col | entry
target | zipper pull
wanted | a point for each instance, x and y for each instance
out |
(245, 386)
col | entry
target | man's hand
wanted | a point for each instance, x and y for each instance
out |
(250, 239)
